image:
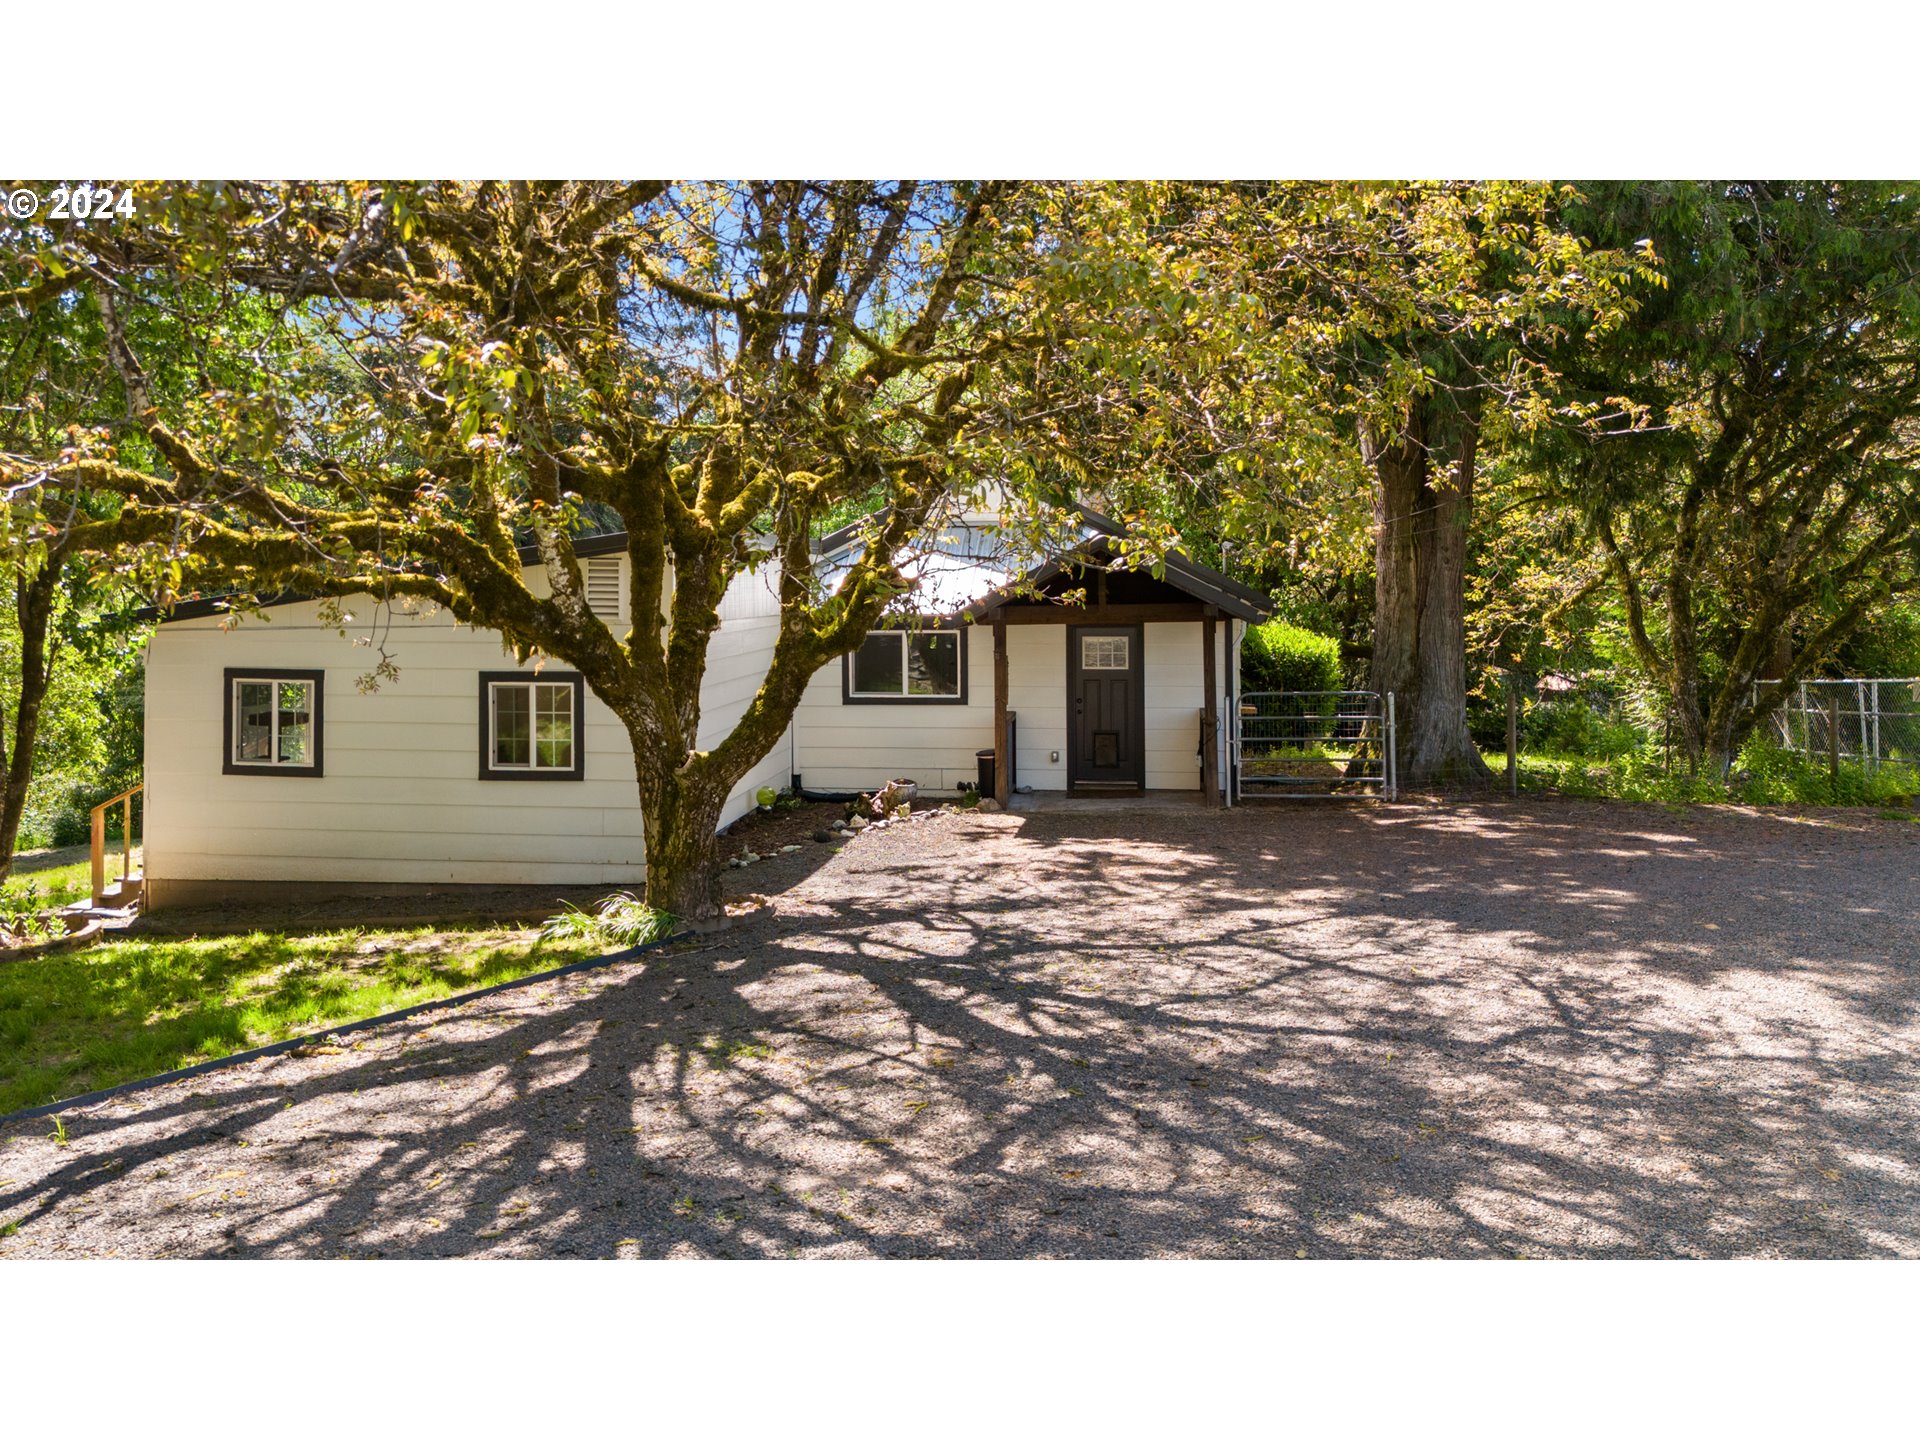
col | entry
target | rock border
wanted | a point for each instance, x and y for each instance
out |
(93, 928)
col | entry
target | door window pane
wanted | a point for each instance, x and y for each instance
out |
(877, 665)
(1104, 652)
(933, 663)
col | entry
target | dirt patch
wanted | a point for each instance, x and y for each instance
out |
(790, 845)
(765, 833)
(1488, 1030)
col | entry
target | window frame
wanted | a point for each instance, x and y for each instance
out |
(850, 696)
(235, 676)
(489, 770)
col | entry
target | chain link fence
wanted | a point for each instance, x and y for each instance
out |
(1869, 722)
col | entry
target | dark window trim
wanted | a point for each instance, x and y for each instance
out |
(578, 770)
(230, 766)
(847, 697)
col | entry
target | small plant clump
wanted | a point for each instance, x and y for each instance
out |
(620, 922)
(25, 918)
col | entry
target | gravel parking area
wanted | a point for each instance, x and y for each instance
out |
(1481, 1030)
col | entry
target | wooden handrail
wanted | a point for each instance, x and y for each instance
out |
(99, 840)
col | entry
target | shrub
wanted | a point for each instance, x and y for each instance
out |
(1767, 774)
(1889, 645)
(1279, 656)
(1572, 727)
(1764, 774)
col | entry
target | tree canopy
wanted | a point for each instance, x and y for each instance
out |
(1769, 502)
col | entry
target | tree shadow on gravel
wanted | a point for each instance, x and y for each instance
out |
(1482, 1031)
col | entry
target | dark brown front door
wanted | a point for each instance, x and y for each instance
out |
(1106, 704)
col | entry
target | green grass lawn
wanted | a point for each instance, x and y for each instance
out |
(130, 1008)
(64, 884)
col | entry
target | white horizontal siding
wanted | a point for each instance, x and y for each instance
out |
(401, 799)
(1175, 669)
(753, 597)
(1037, 694)
(737, 660)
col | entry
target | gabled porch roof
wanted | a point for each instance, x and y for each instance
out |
(972, 570)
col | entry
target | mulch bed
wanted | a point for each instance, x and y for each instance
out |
(1466, 1030)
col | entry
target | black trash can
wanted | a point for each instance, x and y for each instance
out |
(984, 759)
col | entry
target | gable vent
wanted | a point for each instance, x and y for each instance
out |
(603, 587)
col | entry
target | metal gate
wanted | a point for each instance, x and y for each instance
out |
(1307, 743)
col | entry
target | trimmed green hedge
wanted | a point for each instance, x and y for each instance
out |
(1279, 656)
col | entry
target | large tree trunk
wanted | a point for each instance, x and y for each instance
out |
(33, 612)
(680, 818)
(1419, 633)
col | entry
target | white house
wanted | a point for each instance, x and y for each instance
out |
(269, 769)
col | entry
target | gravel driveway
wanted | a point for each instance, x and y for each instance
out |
(1545, 1029)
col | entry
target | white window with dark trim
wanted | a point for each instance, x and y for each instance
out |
(917, 666)
(1105, 652)
(273, 722)
(531, 726)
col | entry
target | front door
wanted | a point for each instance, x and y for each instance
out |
(1106, 705)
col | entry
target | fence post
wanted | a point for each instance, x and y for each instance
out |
(1876, 726)
(1860, 713)
(1513, 740)
(1833, 746)
(1393, 753)
(98, 849)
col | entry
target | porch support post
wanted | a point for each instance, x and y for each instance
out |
(1210, 716)
(1002, 761)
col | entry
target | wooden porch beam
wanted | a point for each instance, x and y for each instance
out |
(1002, 760)
(1210, 716)
(1096, 614)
